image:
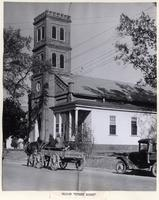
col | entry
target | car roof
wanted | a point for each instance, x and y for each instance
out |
(147, 140)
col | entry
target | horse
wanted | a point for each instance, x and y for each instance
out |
(31, 149)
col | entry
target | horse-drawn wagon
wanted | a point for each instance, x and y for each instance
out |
(54, 158)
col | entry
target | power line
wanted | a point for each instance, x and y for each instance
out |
(111, 56)
(105, 61)
(101, 57)
(94, 36)
(99, 66)
(91, 49)
(93, 60)
(110, 28)
(103, 16)
(105, 31)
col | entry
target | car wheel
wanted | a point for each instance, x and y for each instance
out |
(120, 167)
(154, 169)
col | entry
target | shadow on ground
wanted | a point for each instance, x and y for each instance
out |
(137, 173)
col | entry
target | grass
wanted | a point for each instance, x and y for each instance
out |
(105, 161)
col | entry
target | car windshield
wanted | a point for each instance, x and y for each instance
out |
(143, 147)
(154, 147)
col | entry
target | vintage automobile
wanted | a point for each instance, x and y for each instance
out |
(144, 158)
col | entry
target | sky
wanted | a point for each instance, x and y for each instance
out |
(93, 33)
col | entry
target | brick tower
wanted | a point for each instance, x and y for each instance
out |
(52, 46)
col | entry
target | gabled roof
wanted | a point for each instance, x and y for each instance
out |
(110, 90)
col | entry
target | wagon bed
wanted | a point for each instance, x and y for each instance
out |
(60, 157)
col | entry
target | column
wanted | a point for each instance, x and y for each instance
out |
(76, 121)
(60, 124)
(54, 125)
(70, 124)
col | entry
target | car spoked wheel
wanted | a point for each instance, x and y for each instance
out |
(120, 167)
(154, 169)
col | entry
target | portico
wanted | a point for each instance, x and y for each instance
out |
(70, 120)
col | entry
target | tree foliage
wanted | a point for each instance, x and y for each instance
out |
(140, 48)
(17, 62)
(14, 119)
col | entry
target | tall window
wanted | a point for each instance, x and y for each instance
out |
(62, 32)
(61, 61)
(54, 32)
(43, 32)
(40, 33)
(54, 59)
(112, 127)
(42, 57)
(133, 126)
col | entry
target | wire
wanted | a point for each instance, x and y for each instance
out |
(103, 32)
(92, 37)
(90, 49)
(99, 66)
(97, 58)
(111, 56)
(90, 68)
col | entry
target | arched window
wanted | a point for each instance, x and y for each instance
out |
(62, 37)
(54, 32)
(61, 61)
(54, 59)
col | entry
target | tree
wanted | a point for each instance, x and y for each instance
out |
(84, 140)
(17, 62)
(140, 48)
(14, 119)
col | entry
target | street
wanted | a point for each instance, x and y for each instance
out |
(17, 176)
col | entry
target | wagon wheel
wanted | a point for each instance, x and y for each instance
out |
(120, 167)
(63, 164)
(46, 161)
(54, 162)
(38, 161)
(154, 169)
(80, 164)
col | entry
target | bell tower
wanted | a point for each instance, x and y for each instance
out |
(52, 40)
(51, 46)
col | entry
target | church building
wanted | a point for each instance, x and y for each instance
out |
(115, 113)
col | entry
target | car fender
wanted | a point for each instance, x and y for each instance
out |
(124, 160)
